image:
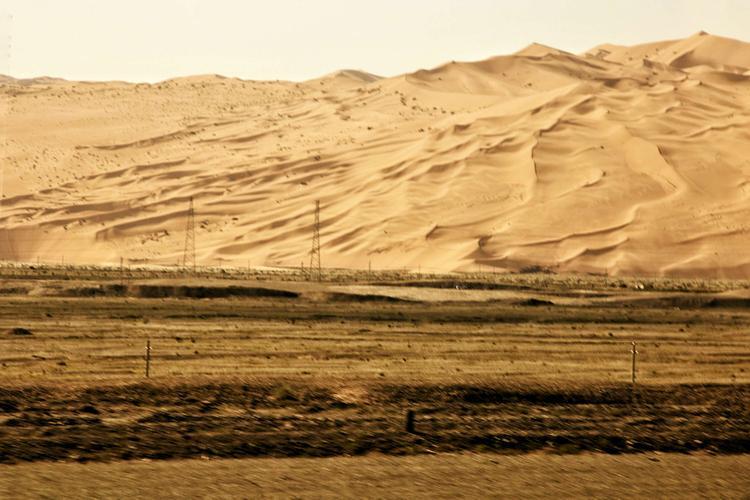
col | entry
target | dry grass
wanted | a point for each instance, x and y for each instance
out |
(102, 339)
(330, 368)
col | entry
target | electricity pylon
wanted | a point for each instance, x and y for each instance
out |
(188, 256)
(10, 247)
(315, 253)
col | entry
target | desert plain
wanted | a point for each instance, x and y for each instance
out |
(495, 372)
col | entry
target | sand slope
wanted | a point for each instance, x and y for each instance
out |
(625, 160)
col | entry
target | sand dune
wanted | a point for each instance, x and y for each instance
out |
(623, 160)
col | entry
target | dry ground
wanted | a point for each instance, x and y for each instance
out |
(268, 368)
(422, 476)
(539, 329)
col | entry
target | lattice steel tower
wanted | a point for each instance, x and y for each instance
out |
(10, 247)
(188, 256)
(315, 253)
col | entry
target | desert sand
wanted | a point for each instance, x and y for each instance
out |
(428, 476)
(622, 160)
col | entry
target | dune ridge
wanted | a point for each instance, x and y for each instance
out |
(622, 160)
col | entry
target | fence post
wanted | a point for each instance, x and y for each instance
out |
(410, 421)
(148, 357)
(633, 353)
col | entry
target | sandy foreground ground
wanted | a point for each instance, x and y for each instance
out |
(624, 160)
(375, 476)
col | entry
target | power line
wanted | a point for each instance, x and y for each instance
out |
(315, 253)
(188, 256)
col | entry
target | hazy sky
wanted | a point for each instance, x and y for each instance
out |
(151, 40)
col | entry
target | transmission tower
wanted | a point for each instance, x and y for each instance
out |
(315, 253)
(188, 256)
(11, 250)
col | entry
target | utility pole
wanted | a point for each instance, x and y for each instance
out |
(315, 253)
(188, 256)
(148, 357)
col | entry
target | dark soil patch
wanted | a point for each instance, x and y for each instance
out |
(96, 291)
(729, 302)
(206, 292)
(534, 302)
(355, 297)
(455, 285)
(176, 291)
(293, 419)
(19, 332)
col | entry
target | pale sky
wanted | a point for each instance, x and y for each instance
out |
(151, 40)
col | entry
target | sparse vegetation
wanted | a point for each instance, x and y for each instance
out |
(289, 368)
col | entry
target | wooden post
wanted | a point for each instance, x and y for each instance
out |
(148, 357)
(122, 274)
(633, 353)
(410, 421)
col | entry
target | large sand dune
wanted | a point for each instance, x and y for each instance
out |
(624, 160)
